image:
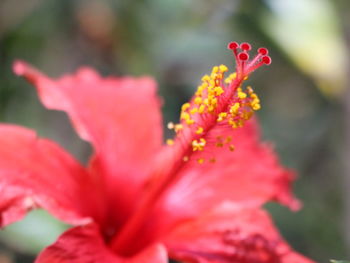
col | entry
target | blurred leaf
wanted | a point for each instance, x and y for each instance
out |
(309, 32)
(339, 261)
(38, 230)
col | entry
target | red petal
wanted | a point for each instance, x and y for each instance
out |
(230, 234)
(38, 173)
(119, 116)
(84, 244)
(251, 174)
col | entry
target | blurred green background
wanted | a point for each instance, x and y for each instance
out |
(305, 97)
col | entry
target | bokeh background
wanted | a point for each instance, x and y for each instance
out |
(305, 92)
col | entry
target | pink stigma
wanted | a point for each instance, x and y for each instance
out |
(246, 46)
(244, 66)
(243, 56)
(232, 45)
(267, 60)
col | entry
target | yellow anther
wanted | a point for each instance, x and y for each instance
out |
(200, 89)
(212, 160)
(256, 107)
(198, 100)
(234, 108)
(213, 101)
(194, 110)
(231, 147)
(185, 106)
(199, 130)
(198, 145)
(185, 159)
(242, 95)
(185, 116)
(205, 78)
(246, 77)
(200, 160)
(221, 116)
(170, 125)
(215, 70)
(211, 108)
(201, 109)
(169, 142)
(218, 91)
(190, 121)
(223, 68)
(178, 127)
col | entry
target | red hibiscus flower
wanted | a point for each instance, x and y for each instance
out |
(197, 199)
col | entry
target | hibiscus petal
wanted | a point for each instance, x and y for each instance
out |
(119, 116)
(230, 234)
(251, 174)
(36, 173)
(84, 244)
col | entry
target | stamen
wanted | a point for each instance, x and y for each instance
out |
(221, 100)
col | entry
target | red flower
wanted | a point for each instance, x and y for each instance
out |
(137, 200)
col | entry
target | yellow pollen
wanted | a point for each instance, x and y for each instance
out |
(170, 142)
(185, 106)
(223, 68)
(194, 110)
(205, 78)
(201, 109)
(212, 160)
(198, 100)
(185, 159)
(218, 91)
(232, 148)
(234, 108)
(199, 130)
(242, 95)
(200, 160)
(221, 116)
(256, 107)
(178, 127)
(190, 121)
(198, 145)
